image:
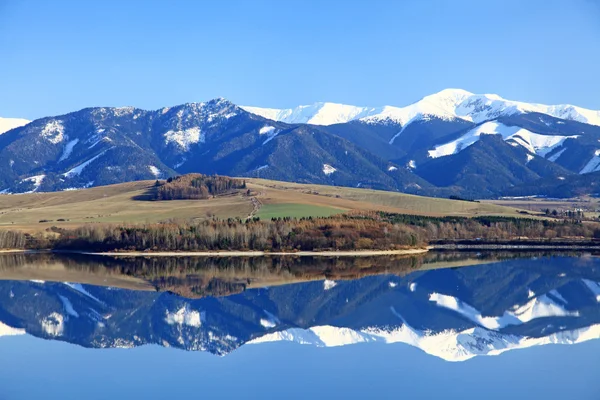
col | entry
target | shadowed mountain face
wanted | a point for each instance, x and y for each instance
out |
(453, 142)
(452, 313)
(100, 146)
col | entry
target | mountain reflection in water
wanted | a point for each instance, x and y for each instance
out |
(500, 302)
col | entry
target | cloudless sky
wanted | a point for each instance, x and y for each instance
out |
(34, 368)
(59, 56)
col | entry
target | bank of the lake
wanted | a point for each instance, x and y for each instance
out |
(330, 253)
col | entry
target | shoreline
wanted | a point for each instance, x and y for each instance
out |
(235, 253)
(11, 251)
(467, 247)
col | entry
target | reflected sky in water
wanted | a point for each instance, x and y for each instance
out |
(34, 368)
(407, 330)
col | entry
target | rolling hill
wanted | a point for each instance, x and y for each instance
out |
(123, 203)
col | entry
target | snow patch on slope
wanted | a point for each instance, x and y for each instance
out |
(155, 171)
(328, 169)
(593, 165)
(185, 138)
(556, 155)
(54, 132)
(54, 324)
(36, 180)
(78, 169)
(185, 316)
(79, 287)
(270, 131)
(536, 307)
(594, 287)
(533, 142)
(328, 284)
(68, 150)
(68, 306)
(271, 321)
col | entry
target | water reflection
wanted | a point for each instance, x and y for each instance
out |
(498, 303)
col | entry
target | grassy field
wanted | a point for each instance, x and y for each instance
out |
(118, 204)
(589, 205)
(109, 204)
(296, 210)
(275, 192)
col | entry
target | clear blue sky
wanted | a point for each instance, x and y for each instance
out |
(34, 368)
(59, 56)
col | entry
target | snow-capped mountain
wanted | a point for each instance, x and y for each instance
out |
(99, 146)
(446, 104)
(455, 314)
(425, 148)
(6, 124)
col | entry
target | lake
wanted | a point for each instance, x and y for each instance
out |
(444, 325)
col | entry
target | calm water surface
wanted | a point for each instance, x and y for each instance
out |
(503, 328)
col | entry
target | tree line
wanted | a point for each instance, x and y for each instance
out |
(196, 187)
(306, 234)
(354, 231)
(12, 240)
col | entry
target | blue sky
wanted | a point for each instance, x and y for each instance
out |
(53, 369)
(59, 56)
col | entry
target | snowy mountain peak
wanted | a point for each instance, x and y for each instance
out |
(6, 124)
(316, 114)
(446, 104)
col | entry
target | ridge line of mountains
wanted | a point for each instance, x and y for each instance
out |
(452, 143)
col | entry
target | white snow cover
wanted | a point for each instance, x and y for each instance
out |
(594, 288)
(185, 138)
(79, 287)
(327, 284)
(593, 165)
(536, 307)
(328, 169)
(261, 168)
(6, 124)
(54, 324)
(270, 132)
(68, 150)
(266, 130)
(271, 321)
(316, 114)
(6, 330)
(446, 104)
(78, 169)
(155, 171)
(449, 345)
(54, 131)
(36, 180)
(185, 316)
(533, 142)
(556, 155)
(68, 307)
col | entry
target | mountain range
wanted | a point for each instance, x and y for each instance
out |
(450, 143)
(452, 313)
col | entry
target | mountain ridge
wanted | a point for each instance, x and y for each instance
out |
(449, 103)
(387, 148)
